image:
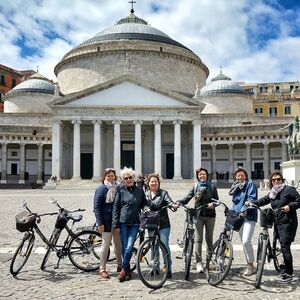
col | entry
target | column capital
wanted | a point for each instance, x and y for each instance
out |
(135, 122)
(40, 144)
(56, 121)
(213, 144)
(157, 122)
(76, 121)
(284, 142)
(117, 122)
(22, 144)
(265, 143)
(4, 144)
(97, 122)
(197, 122)
(179, 122)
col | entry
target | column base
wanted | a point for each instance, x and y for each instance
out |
(39, 181)
(177, 178)
(3, 181)
(21, 181)
(96, 179)
(76, 179)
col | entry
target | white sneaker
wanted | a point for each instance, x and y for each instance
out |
(250, 270)
(199, 267)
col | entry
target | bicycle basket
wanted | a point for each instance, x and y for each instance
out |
(61, 220)
(25, 221)
(149, 219)
(234, 221)
(266, 218)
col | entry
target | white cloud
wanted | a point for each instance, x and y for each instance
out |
(222, 33)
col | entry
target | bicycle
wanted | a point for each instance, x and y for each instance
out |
(82, 247)
(220, 259)
(153, 258)
(264, 248)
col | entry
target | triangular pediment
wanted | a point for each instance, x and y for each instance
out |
(124, 91)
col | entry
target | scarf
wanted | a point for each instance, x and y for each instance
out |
(237, 186)
(275, 190)
(201, 188)
(111, 191)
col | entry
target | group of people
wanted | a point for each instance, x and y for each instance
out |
(117, 207)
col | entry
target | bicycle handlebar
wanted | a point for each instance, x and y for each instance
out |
(252, 205)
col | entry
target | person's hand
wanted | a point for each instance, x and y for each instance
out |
(286, 209)
(174, 207)
(210, 205)
(100, 228)
(145, 210)
(248, 204)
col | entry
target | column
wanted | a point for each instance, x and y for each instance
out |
(248, 158)
(4, 163)
(138, 147)
(266, 160)
(213, 161)
(117, 145)
(197, 144)
(40, 164)
(230, 163)
(97, 168)
(284, 151)
(22, 163)
(76, 150)
(177, 149)
(56, 148)
(157, 146)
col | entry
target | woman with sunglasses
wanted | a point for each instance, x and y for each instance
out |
(129, 201)
(103, 206)
(288, 200)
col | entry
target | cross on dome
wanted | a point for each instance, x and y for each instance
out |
(132, 2)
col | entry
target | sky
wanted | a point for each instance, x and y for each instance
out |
(252, 40)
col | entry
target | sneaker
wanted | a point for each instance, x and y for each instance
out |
(250, 270)
(285, 278)
(122, 276)
(199, 267)
(104, 275)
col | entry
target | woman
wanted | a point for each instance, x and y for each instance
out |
(203, 191)
(129, 201)
(287, 199)
(242, 190)
(158, 198)
(103, 206)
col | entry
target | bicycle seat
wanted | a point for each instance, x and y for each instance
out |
(76, 218)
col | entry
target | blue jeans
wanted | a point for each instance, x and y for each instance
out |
(164, 237)
(128, 235)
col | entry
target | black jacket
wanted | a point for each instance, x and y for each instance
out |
(211, 192)
(160, 200)
(128, 203)
(285, 222)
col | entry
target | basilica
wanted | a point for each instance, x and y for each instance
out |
(132, 96)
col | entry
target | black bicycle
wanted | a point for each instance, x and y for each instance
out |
(220, 259)
(266, 249)
(82, 247)
(153, 258)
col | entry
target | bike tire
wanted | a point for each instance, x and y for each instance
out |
(22, 254)
(152, 263)
(82, 249)
(53, 241)
(260, 260)
(219, 262)
(278, 256)
(188, 259)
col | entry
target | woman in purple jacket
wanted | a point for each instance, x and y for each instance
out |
(103, 207)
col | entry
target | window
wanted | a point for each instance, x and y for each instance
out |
(287, 110)
(277, 165)
(273, 111)
(2, 79)
(258, 110)
(277, 88)
(14, 153)
(291, 87)
(204, 154)
(14, 83)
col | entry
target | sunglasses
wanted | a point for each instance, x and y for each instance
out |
(127, 178)
(110, 170)
(276, 179)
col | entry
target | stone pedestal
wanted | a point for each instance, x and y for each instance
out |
(291, 171)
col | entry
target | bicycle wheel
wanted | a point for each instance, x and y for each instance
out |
(260, 260)
(277, 256)
(152, 263)
(188, 258)
(53, 241)
(219, 261)
(22, 253)
(85, 250)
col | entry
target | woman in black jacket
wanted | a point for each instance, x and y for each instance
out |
(203, 191)
(288, 200)
(158, 198)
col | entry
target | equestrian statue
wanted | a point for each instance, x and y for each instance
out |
(294, 138)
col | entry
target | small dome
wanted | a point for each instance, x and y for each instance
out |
(35, 83)
(131, 28)
(221, 84)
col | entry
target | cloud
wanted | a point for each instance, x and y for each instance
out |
(254, 41)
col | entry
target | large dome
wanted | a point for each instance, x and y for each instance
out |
(133, 47)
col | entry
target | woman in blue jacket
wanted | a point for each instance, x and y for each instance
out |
(242, 190)
(103, 207)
